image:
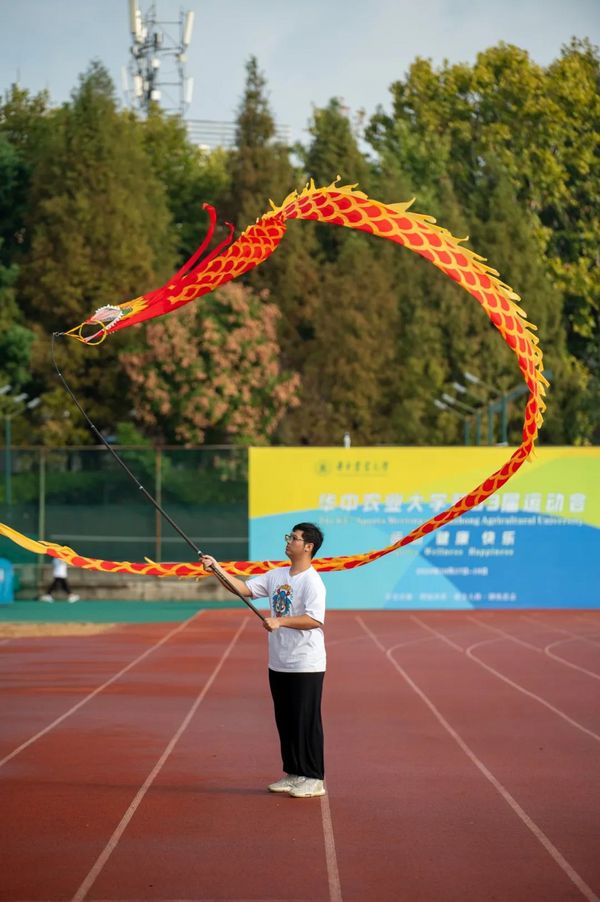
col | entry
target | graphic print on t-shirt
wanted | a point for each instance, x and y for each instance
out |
(282, 600)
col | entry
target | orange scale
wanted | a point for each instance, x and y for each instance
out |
(444, 257)
(414, 239)
(468, 276)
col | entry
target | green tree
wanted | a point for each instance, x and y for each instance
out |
(508, 232)
(540, 128)
(334, 152)
(99, 228)
(23, 123)
(260, 167)
(190, 176)
(15, 338)
(348, 361)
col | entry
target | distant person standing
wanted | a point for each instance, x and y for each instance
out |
(59, 582)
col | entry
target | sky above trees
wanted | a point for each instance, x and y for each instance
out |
(310, 51)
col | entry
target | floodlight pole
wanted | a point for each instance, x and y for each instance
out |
(499, 403)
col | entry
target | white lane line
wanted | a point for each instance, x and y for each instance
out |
(120, 829)
(91, 695)
(539, 834)
(558, 629)
(416, 641)
(413, 642)
(537, 698)
(542, 701)
(436, 634)
(505, 635)
(535, 648)
(551, 654)
(333, 874)
(346, 641)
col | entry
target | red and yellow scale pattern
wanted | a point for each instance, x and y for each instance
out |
(342, 206)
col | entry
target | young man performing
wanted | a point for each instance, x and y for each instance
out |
(296, 657)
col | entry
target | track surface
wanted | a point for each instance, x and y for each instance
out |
(462, 749)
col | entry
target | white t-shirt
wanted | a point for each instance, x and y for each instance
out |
(293, 650)
(59, 568)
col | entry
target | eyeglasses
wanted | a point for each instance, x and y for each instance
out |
(290, 537)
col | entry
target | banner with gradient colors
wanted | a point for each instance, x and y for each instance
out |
(534, 544)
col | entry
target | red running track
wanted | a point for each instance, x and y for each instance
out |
(463, 763)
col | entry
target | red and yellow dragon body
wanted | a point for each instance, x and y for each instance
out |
(341, 206)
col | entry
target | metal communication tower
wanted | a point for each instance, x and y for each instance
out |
(157, 64)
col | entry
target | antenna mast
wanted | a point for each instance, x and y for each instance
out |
(157, 63)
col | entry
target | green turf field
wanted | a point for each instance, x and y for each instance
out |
(105, 611)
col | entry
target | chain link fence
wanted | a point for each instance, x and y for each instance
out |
(80, 497)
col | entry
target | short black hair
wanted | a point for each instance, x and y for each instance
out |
(311, 533)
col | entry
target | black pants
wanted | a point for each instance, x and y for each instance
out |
(297, 703)
(59, 583)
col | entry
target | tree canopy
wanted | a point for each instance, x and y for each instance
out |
(337, 332)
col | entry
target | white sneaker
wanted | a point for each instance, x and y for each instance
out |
(285, 784)
(307, 788)
(46, 598)
(72, 597)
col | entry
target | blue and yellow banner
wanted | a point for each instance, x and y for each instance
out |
(535, 544)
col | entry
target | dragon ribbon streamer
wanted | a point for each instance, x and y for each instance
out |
(342, 206)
